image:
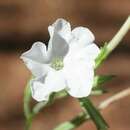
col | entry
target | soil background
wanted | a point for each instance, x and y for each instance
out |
(23, 22)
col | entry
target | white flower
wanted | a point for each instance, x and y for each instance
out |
(68, 63)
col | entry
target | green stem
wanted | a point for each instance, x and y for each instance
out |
(119, 36)
(113, 43)
(93, 113)
(27, 110)
(28, 123)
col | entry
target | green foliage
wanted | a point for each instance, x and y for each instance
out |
(27, 109)
(101, 79)
(27, 99)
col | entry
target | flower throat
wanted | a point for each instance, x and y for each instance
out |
(57, 63)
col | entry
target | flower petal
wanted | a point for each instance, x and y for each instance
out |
(34, 59)
(43, 86)
(92, 51)
(79, 79)
(60, 26)
(88, 54)
(59, 47)
(37, 69)
(81, 37)
(60, 34)
(37, 53)
(39, 91)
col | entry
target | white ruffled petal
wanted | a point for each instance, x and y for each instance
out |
(81, 37)
(37, 69)
(88, 53)
(37, 53)
(59, 47)
(62, 27)
(39, 91)
(91, 51)
(43, 86)
(56, 80)
(35, 59)
(60, 34)
(79, 79)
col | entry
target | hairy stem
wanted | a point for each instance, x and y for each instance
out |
(27, 109)
(119, 36)
(113, 43)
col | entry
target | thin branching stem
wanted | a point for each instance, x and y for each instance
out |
(83, 116)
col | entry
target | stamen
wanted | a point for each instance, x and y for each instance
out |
(57, 64)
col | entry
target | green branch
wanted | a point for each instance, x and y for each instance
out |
(27, 109)
(108, 48)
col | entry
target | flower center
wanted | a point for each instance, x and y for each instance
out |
(57, 63)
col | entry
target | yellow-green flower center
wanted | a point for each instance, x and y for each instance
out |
(57, 63)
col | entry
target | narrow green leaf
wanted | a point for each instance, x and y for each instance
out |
(94, 113)
(101, 79)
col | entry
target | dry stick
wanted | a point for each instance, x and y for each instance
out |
(120, 35)
(114, 98)
(83, 117)
(114, 42)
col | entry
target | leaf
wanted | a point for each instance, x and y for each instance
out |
(101, 79)
(94, 113)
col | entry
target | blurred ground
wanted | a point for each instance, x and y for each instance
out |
(23, 22)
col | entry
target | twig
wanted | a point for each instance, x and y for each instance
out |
(113, 43)
(119, 36)
(114, 98)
